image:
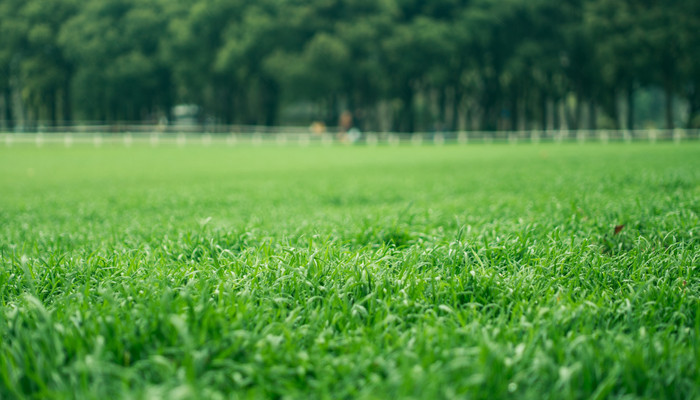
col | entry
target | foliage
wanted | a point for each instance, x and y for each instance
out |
(496, 64)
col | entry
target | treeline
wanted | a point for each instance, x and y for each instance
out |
(394, 64)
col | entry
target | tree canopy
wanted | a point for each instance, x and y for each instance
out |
(394, 64)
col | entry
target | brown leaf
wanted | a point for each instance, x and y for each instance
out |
(618, 228)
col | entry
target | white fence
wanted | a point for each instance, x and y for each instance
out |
(302, 137)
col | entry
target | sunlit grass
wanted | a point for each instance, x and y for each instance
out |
(350, 272)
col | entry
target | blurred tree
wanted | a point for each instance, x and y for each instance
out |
(613, 27)
(661, 39)
(486, 64)
(336, 60)
(12, 34)
(192, 47)
(673, 41)
(363, 26)
(119, 73)
(32, 61)
(243, 56)
(581, 64)
(689, 23)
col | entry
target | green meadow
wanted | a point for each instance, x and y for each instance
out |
(470, 272)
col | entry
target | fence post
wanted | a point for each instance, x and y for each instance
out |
(281, 139)
(231, 139)
(416, 139)
(181, 140)
(393, 139)
(256, 139)
(439, 139)
(304, 140)
(463, 137)
(206, 140)
(677, 136)
(559, 136)
(372, 139)
(128, 140)
(326, 140)
(535, 136)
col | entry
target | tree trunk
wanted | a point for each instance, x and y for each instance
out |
(270, 101)
(630, 108)
(406, 118)
(66, 105)
(442, 107)
(456, 102)
(331, 111)
(53, 108)
(514, 113)
(592, 115)
(3, 116)
(578, 113)
(615, 110)
(544, 104)
(17, 106)
(230, 110)
(693, 108)
(7, 108)
(556, 114)
(551, 115)
(669, 106)
(563, 124)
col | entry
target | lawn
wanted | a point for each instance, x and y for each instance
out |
(481, 271)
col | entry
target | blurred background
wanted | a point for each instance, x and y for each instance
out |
(372, 65)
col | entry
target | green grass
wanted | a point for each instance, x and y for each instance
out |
(483, 271)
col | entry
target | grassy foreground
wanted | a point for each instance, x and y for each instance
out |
(484, 271)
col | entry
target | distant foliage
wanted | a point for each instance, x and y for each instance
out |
(394, 64)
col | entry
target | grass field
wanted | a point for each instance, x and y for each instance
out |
(482, 271)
